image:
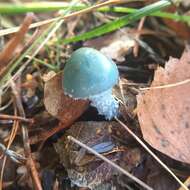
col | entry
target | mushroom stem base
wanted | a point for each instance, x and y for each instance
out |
(105, 104)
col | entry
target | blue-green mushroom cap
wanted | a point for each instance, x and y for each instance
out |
(88, 72)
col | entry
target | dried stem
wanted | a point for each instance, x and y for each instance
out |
(167, 85)
(136, 47)
(11, 138)
(16, 118)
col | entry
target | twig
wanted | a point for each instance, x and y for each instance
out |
(6, 105)
(30, 162)
(152, 154)
(167, 85)
(11, 138)
(136, 47)
(187, 183)
(141, 183)
(16, 118)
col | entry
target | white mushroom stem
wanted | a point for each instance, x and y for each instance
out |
(105, 104)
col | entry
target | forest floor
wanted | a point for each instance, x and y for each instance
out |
(52, 141)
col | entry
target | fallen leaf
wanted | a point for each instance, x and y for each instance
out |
(164, 113)
(118, 49)
(64, 108)
(86, 170)
(115, 45)
(59, 105)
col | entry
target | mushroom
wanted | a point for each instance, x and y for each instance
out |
(88, 74)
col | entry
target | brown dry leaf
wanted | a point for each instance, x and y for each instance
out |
(86, 170)
(59, 105)
(164, 114)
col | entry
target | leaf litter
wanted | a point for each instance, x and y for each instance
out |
(164, 113)
(50, 119)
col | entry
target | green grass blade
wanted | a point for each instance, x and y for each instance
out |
(39, 7)
(36, 7)
(120, 22)
(173, 16)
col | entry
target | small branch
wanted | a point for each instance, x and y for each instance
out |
(16, 118)
(10, 141)
(141, 183)
(167, 85)
(136, 47)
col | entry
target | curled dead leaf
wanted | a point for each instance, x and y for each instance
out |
(164, 113)
(59, 105)
(86, 170)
